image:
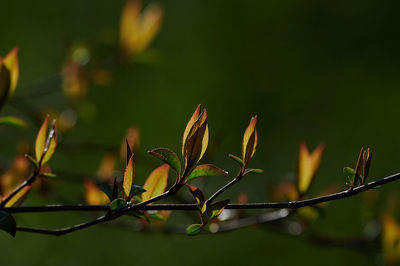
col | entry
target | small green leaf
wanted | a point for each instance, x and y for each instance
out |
(168, 156)
(137, 190)
(206, 170)
(7, 223)
(48, 175)
(194, 229)
(349, 173)
(214, 210)
(13, 121)
(32, 161)
(254, 171)
(156, 216)
(237, 159)
(138, 214)
(118, 204)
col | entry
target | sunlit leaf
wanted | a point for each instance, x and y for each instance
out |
(199, 197)
(206, 170)
(51, 144)
(41, 140)
(18, 198)
(11, 62)
(48, 175)
(189, 126)
(118, 204)
(237, 159)
(168, 156)
(308, 165)
(13, 121)
(94, 195)
(129, 176)
(156, 182)
(254, 171)
(7, 223)
(249, 143)
(196, 141)
(194, 229)
(215, 209)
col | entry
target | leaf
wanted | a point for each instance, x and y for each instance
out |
(129, 176)
(51, 144)
(350, 173)
(189, 126)
(254, 171)
(390, 239)
(13, 121)
(198, 196)
(206, 170)
(48, 175)
(4, 83)
(32, 161)
(94, 195)
(11, 62)
(168, 156)
(194, 229)
(196, 142)
(118, 204)
(237, 159)
(137, 190)
(156, 182)
(128, 151)
(106, 189)
(18, 198)
(215, 209)
(107, 166)
(249, 142)
(41, 140)
(156, 216)
(308, 165)
(7, 223)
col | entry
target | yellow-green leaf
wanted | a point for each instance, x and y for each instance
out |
(168, 156)
(128, 176)
(41, 140)
(51, 144)
(94, 195)
(198, 196)
(308, 165)
(12, 121)
(206, 170)
(249, 142)
(11, 62)
(194, 229)
(156, 182)
(189, 126)
(18, 198)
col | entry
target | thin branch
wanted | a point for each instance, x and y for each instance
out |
(27, 182)
(221, 190)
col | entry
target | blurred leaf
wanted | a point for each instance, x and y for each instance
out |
(237, 159)
(13, 121)
(196, 141)
(107, 166)
(18, 198)
(254, 171)
(129, 176)
(118, 204)
(308, 165)
(11, 62)
(41, 140)
(194, 229)
(94, 195)
(350, 174)
(32, 161)
(156, 182)
(48, 175)
(249, 142)
(199, 197)
(51, 144)
(156, 216)
(7, 223)
(206, 170)
(390, 240)
(168, 156)
(4, 83)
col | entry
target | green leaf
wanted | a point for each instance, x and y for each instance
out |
(349, 173)
(237, 159)
(254, 171)
(137, 190)
(118, 204)
(32, 161)
(206, 170)
(214, 210)
(138, 214)
(13, 121)
(156, 216)
(48, 175)
(7, 223)
(168, 156)
(194, 229)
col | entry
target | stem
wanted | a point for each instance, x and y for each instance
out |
(228, 185)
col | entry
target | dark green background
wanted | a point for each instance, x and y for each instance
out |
(318, 71)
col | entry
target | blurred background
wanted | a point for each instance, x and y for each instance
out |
(313, 71)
